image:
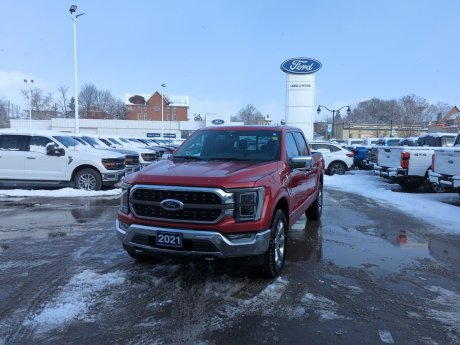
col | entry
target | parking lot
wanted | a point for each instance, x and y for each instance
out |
(367, 270)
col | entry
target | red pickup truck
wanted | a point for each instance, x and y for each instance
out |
(226, 193)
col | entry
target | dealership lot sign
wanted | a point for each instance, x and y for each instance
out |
(300, 92)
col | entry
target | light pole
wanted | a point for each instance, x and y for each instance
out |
(74, 17)
(333, 114)
(162, 101)
(30, 101)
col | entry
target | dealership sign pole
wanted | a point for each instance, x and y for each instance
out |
(300, 92)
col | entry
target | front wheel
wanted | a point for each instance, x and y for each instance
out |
(276, 253)
(87, 179)
(338, 168)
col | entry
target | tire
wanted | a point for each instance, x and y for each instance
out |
(434, 187)
(410, 186)
(276, 253)
(338, 168)
(87, 179)
(316, 209)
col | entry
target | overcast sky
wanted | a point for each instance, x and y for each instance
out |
(227, 54)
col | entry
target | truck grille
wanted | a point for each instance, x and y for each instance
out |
(199, 206)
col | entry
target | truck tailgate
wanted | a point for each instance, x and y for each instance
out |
(447, 161)
(389, 157)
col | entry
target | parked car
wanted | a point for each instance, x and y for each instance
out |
(131, 157)
(445, 167)
(227, 193)
(337, 160)
(408, 165)
(46, 158)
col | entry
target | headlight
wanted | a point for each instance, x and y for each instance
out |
(124, 202)
(248, 204)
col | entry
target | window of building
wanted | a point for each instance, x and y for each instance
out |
(157, 108)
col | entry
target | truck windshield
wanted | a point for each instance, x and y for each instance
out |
(68, 141)
(238, 145)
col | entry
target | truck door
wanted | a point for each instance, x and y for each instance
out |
(12, 155)
(41, 166)
(297, 180)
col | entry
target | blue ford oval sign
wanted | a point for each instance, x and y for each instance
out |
(217, 122)
(300, 66)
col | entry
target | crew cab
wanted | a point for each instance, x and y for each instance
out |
(445, 167)
(226, 193)
(46, 158)
(407, 165)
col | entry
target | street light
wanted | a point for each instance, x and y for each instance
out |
(74, 17)
(333, 114)
(162, 101)
(30, 101)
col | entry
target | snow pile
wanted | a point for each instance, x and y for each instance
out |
(75, 299)
(426, 206)
(450, 302)
(57, 193)
(324, 307)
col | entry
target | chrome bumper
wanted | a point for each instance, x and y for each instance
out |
(256, 244)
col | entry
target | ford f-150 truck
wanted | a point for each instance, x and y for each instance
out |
(445, 167)
(226, 193)
(407, 165)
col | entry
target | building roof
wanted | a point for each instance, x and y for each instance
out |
(174, 100)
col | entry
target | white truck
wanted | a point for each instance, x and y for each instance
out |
(408, 166)
(445, 167)
(45, 158)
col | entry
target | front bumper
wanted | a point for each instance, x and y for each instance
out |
(113, 177)
(200, 243)
(443, 180)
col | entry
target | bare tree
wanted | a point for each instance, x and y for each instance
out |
(62, 101)
(412, 110)
(87, 99)
(249, 114)
(42, 104)
(4, 114)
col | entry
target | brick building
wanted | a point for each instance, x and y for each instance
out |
(148, 107)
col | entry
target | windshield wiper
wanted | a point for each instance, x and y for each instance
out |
(189, 157)
(229, 159)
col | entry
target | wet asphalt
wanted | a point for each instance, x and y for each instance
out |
(365, 274)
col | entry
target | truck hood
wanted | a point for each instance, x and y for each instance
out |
(203, 173)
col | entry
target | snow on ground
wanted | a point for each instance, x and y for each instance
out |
(431, 207)
(57, 193)
(75, 299)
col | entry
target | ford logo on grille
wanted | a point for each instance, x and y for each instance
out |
(172, 205)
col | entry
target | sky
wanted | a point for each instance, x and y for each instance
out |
(227, 54)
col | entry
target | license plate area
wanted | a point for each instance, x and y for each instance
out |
(169, 239)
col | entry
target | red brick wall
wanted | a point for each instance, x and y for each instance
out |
(136, 112)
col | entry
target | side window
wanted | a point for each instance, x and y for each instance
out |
(333, 148)
(291, 146)
(38, 144)
(303, 149)
(12, 142)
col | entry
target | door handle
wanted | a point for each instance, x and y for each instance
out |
(31, 157)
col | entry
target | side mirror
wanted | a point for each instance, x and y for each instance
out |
(301, 162)
(52, 150)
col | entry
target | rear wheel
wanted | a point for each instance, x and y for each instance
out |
(87, 179)
(315, 210)
(276, 253)
(338, 168)
(409, 185)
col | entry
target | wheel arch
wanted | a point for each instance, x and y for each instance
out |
(81, 167)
